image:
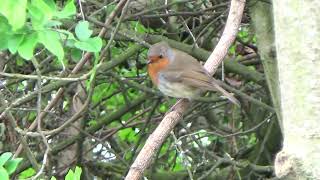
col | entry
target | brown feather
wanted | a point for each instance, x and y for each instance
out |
(193, 73)
(198, 80)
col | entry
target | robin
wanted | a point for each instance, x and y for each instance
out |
(179, 75)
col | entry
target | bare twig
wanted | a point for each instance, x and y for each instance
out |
(44, 162)
(38, 120)
(124, 10)
(254, 128)
(23, 141)
(156, 139)
(189, 31)
(218, 163)
(25, 76)
(183, 154)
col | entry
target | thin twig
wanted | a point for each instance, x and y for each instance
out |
(217, 164)
(113, 34)
(268, 119)
(189, 31)
(182, 153)
(35, 77)
(23, 141)
(38, 120)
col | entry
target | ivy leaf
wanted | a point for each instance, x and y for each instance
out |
(14, 42)
(15, 12)
(53, 23)
(51, 40)
(4, 42)
(127, 135)
(4, 26)
(3, 173)
(5, 32)
(4, 158)
(76, 54)
(82, 31)
(51, 4)
(91, 45)
(77, 173)
(69, 10)
(37, 16)
(12, 165)
(70, 175)
(27, 46)
(46, 7)
(27, 173)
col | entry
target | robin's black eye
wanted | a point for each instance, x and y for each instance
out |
(160, 56)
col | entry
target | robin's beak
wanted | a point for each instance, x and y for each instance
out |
(152, 59)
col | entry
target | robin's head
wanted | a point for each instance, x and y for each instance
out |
(159, 56)
(159, 51)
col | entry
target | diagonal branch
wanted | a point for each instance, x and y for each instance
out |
(156, 139)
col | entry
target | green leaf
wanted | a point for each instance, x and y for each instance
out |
(46, 7)
(69, 10)
(82, 30)
(15, 12)
(76, 54)
(53, 178)
(70, 175)
(138, 27)
(51, 40)
(4, 26)
(27, 46)
(91, 45)
(51, 4)
(38, 18)
(4, 158)
(53, 23)
(12, 165)
(3, 174)
(5, 32)
(14, 42)
(77, 173)
(20, 62)
(127, 134)
(252, 140)
(4, 42)
(41, 12)
(27, 173)
(179, 164)
(66, 34)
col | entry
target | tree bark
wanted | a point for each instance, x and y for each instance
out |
(297, 32)
(261, 14)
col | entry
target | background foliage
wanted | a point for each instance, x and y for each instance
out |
(74, 92)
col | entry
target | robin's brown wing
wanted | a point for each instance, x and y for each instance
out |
(186, 69)
(195, 78)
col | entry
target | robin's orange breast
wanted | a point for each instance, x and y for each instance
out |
(155, 67)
